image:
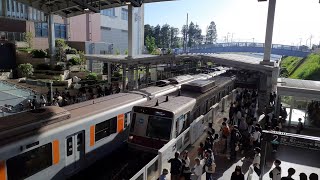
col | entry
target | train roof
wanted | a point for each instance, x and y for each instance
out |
(29, 123)
(174, 103)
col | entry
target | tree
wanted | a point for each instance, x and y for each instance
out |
(150, 44)
(156, 35)
(148, 31)
(194, 35)
(211, 36)
(174, 39)
(26, 69)
(184, 32)
(164, 36)
(28, 38)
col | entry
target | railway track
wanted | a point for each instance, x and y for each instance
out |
(120, 165)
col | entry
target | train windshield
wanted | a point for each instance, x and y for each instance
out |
(159, 127)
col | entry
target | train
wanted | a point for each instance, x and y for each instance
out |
(158, 121)
(55, 143)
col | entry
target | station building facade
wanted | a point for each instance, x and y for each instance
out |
(95, 33)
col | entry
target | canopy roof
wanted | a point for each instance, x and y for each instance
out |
(69, 8)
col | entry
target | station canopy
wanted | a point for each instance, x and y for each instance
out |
(69, 8)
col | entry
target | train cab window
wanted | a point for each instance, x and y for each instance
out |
(29, 163)
(133, 123)
(69, 146)
(159, 127)
(126, 119)
(105, 128)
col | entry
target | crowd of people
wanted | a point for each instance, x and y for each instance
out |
(240, 134)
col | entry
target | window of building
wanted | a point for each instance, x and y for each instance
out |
(30, 163)
(124, 14)
(105, 128)
(108, 12)
(41, 29)
(60, 31)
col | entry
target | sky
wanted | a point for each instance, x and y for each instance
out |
(295, 20)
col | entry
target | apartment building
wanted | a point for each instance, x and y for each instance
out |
(17, 18)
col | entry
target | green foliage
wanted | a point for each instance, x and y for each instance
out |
(58, 68)
(43, 67)
(39, 53)
(26, 69)
(211, 36)
(28, 38)
(126, 52)
(169, 51)
(27, 50)
(156, 51)
(60, 43)
(75, 61)
(309, 69)
(150, 44)
(92, 76)
(289, 63)
(82, 57)
(117, 52)
(71, 51)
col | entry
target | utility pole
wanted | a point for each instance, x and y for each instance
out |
(186, 35)
(310, 41)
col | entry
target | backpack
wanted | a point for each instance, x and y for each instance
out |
(271, 174)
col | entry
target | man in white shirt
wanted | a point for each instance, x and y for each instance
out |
(198, 169)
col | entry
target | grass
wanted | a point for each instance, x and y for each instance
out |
(27, 50)
(290, 63)
(309, 70)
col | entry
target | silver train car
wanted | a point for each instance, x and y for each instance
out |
(54, 142)
(156, 122)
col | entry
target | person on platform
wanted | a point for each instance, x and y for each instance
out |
(303, 176)
(237, 174)
(275, 173)
(210, 166)
(186, 171)
(176, 166)
(291, 172)
(255, 164)
(197, 169)
(300, 126)
(313, 176)
(164, 175)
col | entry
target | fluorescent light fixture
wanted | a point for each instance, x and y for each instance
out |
(86, 9)
(128, 3)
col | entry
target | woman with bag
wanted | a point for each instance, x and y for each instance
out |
(255, 164)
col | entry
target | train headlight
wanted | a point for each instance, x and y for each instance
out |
(130, 137)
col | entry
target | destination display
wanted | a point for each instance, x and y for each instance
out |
(301, 141)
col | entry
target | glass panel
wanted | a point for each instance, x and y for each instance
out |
(153, 171)
(29, 163)
(69, 146)
(159, 127)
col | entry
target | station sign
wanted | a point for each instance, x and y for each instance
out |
(289, 139)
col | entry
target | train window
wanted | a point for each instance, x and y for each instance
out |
(69, 146)
(105, 128)
(133, 123)
(159, 127)
(29, 163)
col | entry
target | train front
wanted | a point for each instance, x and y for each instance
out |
(151, 128)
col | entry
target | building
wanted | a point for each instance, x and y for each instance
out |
(17, 19)
(107, 32)
(94, 33)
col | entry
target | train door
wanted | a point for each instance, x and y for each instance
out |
(74, 151)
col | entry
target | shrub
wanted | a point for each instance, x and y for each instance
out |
(71, 51)
(92, 76)
(58, 68)
(75, 61)
(43, 67)
(60, 43)
(39, 53)
(117, 52)
(26, 69)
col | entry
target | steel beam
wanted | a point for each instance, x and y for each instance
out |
(80, 3)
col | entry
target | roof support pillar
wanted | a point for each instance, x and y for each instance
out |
(136, 78)
(147, 74)
(51, 39)
(291, 109)
(4, 8)
(109, 72)
(130, 30)
(269, 32)
(124, 77)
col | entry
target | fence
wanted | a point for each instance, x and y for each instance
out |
(153, 169)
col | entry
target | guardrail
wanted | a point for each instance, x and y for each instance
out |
(153, 169)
